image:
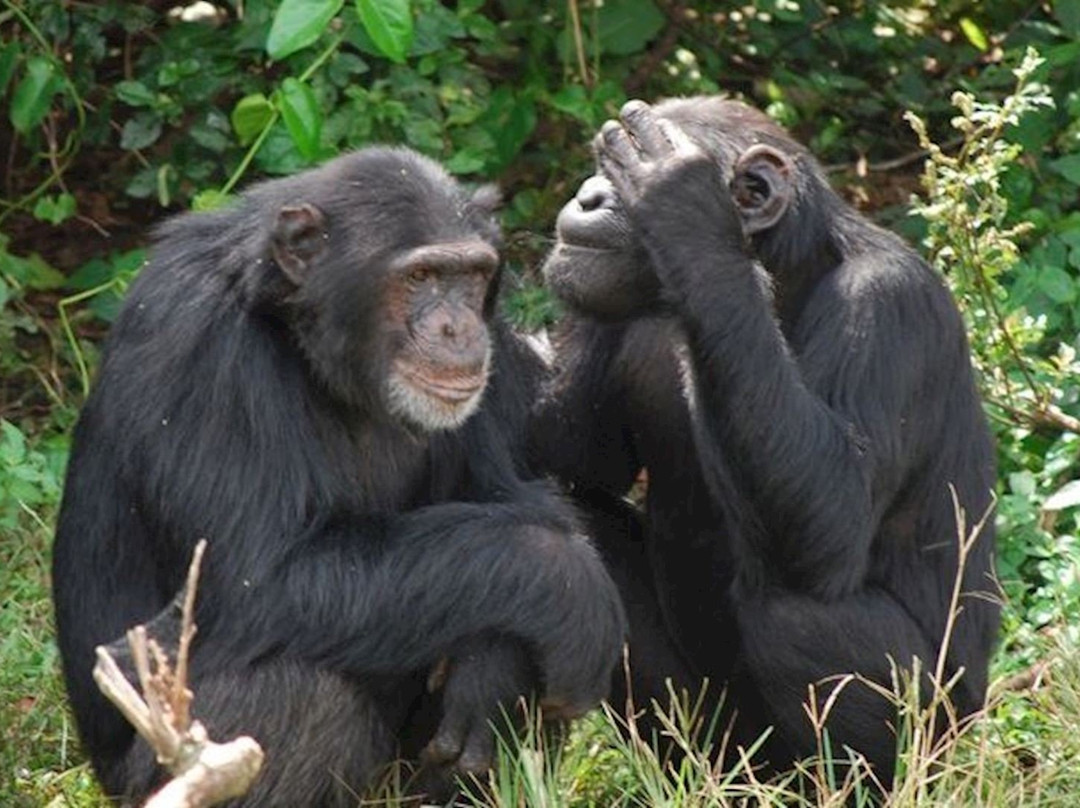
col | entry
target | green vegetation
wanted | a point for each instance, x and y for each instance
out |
(116, 114)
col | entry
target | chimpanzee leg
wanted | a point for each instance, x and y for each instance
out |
(791, 641)
(324, 737)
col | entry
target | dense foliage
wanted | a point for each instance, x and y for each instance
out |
(116, 114)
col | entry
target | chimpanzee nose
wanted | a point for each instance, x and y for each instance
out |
(595, 193)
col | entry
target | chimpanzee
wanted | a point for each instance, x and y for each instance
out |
(797, 385)
(315, 381)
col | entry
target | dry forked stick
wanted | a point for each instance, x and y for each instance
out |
(204, 773)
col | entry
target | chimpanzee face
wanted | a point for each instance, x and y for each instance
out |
(394, 274)
(434, 300)
(599, 265)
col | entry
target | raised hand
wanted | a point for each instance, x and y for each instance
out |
(673, 191)
(640, 150)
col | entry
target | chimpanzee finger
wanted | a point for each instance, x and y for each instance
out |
(677, 139)
(478, 753)
(644, 127)
(449, 741)
(617, 146)
(438, 675)
(621, 181)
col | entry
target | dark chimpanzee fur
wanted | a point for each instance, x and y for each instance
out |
(314, 381)
(797, 384)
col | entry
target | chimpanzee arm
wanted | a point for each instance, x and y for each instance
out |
(807, 466)
(579, 431)
(396, 593)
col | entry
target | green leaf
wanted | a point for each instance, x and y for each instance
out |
(574, 101)
(54, 209)
(141, 131)
(12, 444)
(135, 94)
(1056, 284)
(165, 176)
(510, 119)
(250, 115)
(1068, 167)
(172, 72)
(1068, 14)
(389, 23)
(118, 267)
(974, 33)
(9, 58)
(1023, 483)
(33, 95)
(143, 184)
(626, 26)
(302, 116)
(32, 271)
(278, 154)
(344, 67)
(424, 134)
(298, 23)
(210, 199)
(435, 26)
(1068, 496)
(466, 161)
(209, 137)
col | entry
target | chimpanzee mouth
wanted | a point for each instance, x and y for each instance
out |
(450, 389)
(434, 403)
(577, 246)
(598, 232)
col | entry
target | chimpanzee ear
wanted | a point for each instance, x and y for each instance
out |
(486, 199)
(299, 238)
(481, 208)
(762, 187)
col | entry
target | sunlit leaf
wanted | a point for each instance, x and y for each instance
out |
(54, 209)
(250, 115)
(302, 116)
(1068, 496)
(389, 23)
(298, 23)
(974, 33)
(210, 199)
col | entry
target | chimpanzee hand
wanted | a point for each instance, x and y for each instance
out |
(671, 188)
(479, 686)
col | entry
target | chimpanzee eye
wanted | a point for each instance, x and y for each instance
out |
(419, 274)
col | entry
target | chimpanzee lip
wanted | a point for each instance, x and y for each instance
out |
(457, 391)
(577, 245)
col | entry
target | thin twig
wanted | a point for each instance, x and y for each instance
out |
(579, 44)
(204, 773)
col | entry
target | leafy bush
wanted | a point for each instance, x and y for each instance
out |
(29, 478)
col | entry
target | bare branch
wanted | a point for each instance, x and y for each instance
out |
(205, 773)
